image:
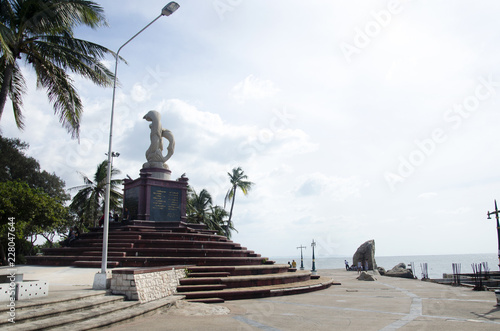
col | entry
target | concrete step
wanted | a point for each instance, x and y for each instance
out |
(123, 316)
(208, 274)
(68, 313)
(79, 310)
(199, 281)
(204, 287)
(63, 308)
(114, 235)
(95, 264)
(115, 245)
(266, 279)
(261, 291)
(68, 297)
(99, 253)
(208, 300)
(145, 261)
(241, 270)
(188, 252)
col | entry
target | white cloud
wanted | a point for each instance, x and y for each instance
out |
(139, 93)
(318, 162)
(253, 88)
(335, 188)
(427, 195)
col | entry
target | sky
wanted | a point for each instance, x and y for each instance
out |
(356, 120)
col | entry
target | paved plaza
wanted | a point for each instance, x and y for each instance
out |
(384, 304)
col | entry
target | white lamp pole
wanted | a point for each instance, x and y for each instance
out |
(166, 11)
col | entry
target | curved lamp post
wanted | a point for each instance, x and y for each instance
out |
(301, 257)
(100, 279)
(496, 212)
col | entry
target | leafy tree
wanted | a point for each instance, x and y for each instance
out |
(40, 32)
(32, 196)
(238, 180)
(33, 211)
(88, 203)
(15, 165)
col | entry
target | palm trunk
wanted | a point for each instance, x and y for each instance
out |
(4, 91)
(232, 205)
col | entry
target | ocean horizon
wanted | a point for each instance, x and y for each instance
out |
(437, 265)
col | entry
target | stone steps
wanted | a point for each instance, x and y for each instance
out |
(99, 253)
(24, 308)
(201, 280)
(205, 284)
(204, 279)
(209, 275)
(208, 300)
(65, 312)
(119, 317)
(95, 264)
(260, 291)
(195, 288)
(171, 252)
(265, 279)
(241, 270)
(218, 269)
(142, 261)
(157, 243)
(80, 311)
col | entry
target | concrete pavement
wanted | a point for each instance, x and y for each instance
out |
(384, 304)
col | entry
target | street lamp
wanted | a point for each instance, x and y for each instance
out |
(301, 257)
(313, 244)
(496, 212)
(100, 279)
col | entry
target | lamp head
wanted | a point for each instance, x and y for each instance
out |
(489, 217)
(170, 8)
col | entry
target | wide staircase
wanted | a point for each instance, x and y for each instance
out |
(218, 269)
(88, 310)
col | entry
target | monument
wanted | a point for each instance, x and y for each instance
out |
(154, 196)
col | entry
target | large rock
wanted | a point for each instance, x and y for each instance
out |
(401, 271)
(366, 277)
(366, 252)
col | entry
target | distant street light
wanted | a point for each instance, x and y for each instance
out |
(313, 244)
(301, 257)
(100, 278)
(496, 212)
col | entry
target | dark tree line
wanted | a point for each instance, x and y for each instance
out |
(33, 197)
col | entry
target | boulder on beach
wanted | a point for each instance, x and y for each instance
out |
(401, 271)
(365, 252)
(366, 277)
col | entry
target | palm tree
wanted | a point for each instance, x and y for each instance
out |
(88, 203)
(201, 211)
(198, 206)
(238, 180)
(217, 216)
(40, 32)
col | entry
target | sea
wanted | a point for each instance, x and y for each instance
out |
(437, 265)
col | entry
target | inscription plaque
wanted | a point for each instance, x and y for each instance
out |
(165, 204)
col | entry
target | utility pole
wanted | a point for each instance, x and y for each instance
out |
(496, 212)
(301, 257)
(313, 244)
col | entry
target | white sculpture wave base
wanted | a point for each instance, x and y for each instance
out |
(155, 171)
